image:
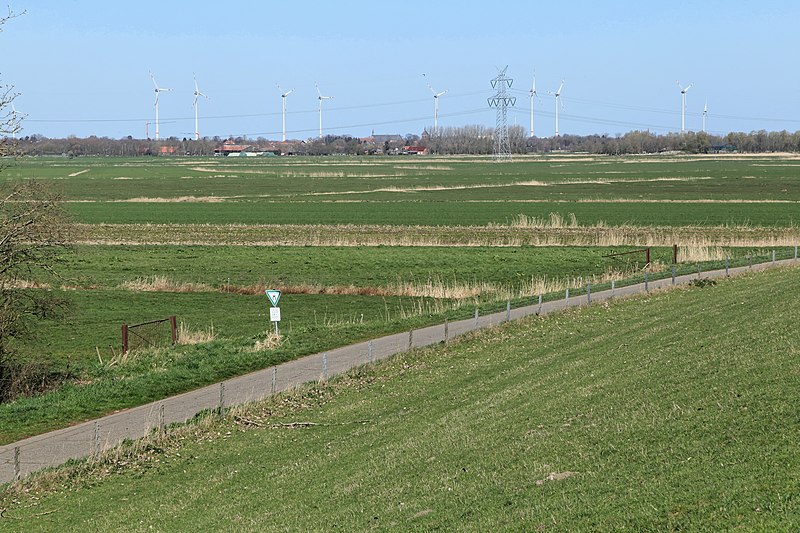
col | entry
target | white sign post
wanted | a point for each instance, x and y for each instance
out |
(274, 311)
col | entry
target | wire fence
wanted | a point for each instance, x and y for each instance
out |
(91, 439)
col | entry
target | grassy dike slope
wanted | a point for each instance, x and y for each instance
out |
(673, 411)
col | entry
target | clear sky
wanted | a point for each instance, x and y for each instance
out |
(81, 66)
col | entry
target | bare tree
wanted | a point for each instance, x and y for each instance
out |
(34, 232)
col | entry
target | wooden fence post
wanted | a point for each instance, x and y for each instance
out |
(124, 339)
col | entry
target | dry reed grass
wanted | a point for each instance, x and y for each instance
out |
(163, 284)
(22, 284)
(186, 335)
(376, 235)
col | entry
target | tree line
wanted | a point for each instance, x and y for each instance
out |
(470, 140)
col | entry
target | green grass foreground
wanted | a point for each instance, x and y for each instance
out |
(675, 411)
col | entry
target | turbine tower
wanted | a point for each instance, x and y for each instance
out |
(436, 108)
(197, 94)
(159, 90)
(683, 104)
(557, 94)
(501, 101)
(283, 109)
(533, 94)
(321, 98)
(705, 114)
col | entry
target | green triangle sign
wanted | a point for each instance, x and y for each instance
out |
(274, 297)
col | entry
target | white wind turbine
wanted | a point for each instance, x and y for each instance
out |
(705, 114)
(533, 94)
(557, 94)
(197, 95)
(158, 91)
(283, 108)
(435, 108)
(683, 104)
(321, 98)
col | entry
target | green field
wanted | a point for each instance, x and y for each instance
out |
(664, 412)
(361, 247)
(449, 191)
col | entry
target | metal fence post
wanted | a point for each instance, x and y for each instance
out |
(410, 338)
(566, 298)
(795, 251)
(445, 330)
(646, 286)
(325, 365)
(540, 304)
(96, 451)
(508, 310)
(749, 261)
(369, 352)
(726, 265)
(673, 274)
(773, 257)
(588, 293)
(221, 407)
(17, 469)
(476, 317)
(613, 286)
(161, 422)
(274, 379)
(698, 270)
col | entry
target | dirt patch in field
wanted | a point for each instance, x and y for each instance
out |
(555, 476)
(177, 199)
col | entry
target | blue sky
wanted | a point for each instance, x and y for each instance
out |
(81, 67)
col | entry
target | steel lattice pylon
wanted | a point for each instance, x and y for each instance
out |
(501, 101)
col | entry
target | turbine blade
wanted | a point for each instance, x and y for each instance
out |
(688, 87)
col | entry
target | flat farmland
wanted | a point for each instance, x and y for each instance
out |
(360, 247)
(665, 191)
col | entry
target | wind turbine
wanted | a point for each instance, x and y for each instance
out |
(197, 95)
(557, 94)
(283, 108)
(158, 91)
(532, 92)
(435, 108)
(705, 114)
(321, 98)
(683, 104)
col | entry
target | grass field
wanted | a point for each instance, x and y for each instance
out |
(361, 246)
(665, 412)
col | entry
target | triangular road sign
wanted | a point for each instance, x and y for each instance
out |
(274, 297)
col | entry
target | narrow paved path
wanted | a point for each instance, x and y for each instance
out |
(92, 437)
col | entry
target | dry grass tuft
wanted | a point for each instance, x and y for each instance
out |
(163, 284)
(554, 221)
(188, 336)
(22, 284)
(271, 342)
(700, 251)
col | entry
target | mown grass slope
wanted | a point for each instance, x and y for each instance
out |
(668, 412)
